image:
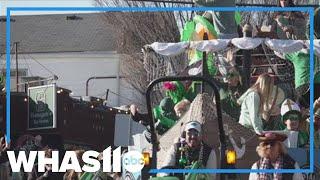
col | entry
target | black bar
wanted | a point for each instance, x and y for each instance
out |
(152, 121)
(247, 61)
(107, 94)
(98, 77)
(205, 71)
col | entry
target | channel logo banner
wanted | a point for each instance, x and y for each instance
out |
(132, 161)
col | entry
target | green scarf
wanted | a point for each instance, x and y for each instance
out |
(196, 176)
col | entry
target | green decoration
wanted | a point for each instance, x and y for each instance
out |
(202, 20)
(178, 94)
(237, 17)
(188, 31)
(197, 176)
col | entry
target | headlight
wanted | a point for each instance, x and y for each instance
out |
(231, 157)
(146, 158)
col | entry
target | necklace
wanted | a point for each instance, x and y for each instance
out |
(194, 155)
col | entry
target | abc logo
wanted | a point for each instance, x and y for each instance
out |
(133, 161)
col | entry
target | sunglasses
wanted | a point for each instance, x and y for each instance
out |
(293, 117)
(193, 133)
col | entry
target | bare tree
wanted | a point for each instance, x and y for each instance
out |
(137, 29)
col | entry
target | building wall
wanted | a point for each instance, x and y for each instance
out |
(73, 70)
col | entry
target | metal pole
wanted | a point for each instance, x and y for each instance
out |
(99, 77)
(247, 61)
(205, 72)
(107, 94)
(17, 68)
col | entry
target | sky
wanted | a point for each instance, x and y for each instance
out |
(42, 3)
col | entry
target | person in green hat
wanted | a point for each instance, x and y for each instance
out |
(291, 116)
(229, 92)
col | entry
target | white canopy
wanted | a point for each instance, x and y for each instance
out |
(216, 45)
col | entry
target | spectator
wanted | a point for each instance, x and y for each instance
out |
(292, 117)
(273, 155)
(254, 102)
(292, 24)
(4, 165)
(230, 92)
(48, 174)
(71, 174)
(289, 25)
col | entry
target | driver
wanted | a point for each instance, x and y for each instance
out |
(191, 150)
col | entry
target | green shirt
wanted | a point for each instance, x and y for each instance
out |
(301, 63)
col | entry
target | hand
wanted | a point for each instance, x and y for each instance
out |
(242, 140)
(4, 145)
(48, 167)
(133, 109)
(288, 29)
(258, 28)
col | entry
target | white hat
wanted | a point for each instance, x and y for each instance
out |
(193, 125)
(289, 105)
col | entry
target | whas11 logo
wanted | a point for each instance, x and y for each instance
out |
(132, 161)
